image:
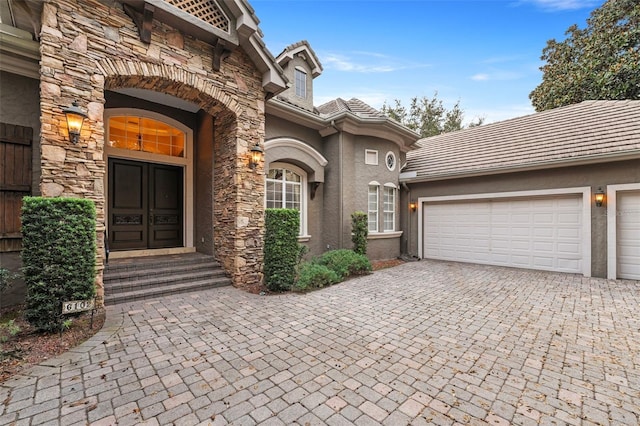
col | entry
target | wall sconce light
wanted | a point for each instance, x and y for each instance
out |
(599, 197)
(256, 156)
(413, 206)
(75, 119)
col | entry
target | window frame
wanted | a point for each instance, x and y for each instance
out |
(385, 204)
(303, 232)
(300, 83)
(375, 212)
(386, 160)
(368, 152)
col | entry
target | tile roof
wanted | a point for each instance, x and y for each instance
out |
(353, 105)
(591, 131)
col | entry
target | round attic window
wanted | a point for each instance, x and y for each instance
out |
(390, 161)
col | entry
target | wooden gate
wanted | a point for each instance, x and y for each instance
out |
(15, 181)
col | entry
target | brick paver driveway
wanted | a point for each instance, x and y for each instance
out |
(422, 343)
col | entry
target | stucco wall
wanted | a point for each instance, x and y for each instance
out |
(204, 184)
(594, 176)
(21, 106)
(290, 93)
(278, 128)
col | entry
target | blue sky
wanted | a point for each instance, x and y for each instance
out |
(484, 53)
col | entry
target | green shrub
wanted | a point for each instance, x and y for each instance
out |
(282, 252)
(58, 256)
(345, 263)
(359, 232)
(313, 275)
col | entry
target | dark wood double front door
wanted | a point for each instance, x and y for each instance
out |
(145, 205)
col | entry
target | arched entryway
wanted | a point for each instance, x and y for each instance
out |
(149, 181)
(216, 179)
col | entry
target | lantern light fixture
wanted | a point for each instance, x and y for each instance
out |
(599, 197)
(413, 206)
(75, 119)
(256, 156)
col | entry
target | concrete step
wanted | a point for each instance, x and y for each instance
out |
(141, 278)
(158, 292)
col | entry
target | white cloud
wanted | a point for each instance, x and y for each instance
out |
(365, 62)
(343, 63)
(560, 5)
(496, 76)
(480, 77)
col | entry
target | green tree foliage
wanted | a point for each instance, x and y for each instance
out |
(359, 232)
(282, 251)
(428, 116)
(58, 256)
(598, 62)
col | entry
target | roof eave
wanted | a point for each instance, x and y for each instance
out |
(573, 162)
(24, 52)
(369, 126)
(294, 114)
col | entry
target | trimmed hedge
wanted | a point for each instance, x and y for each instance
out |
(359, 232)
(58, 256)
(312, 275)
(331, 268)
(345, 263)
(282, 251)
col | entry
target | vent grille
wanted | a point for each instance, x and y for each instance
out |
(205, 10)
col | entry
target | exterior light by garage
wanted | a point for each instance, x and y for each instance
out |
(599, 197)
(75, 119)
(256, 156)
(413, 206)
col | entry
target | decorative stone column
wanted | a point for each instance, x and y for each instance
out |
(67, 74)
(88, 47)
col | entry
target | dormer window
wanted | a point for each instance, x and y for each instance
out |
(301, 83)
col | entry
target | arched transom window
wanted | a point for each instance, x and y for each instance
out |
(146, 135)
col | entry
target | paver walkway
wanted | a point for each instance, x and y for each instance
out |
(422, 343)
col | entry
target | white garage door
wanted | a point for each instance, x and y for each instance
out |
(628, 235)
(535, 233)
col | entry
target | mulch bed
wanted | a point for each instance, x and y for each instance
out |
(29, 347)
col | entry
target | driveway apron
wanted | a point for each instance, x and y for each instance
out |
(422, 343)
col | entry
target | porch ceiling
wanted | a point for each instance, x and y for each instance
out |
(24, 15)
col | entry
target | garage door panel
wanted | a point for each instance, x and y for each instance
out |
(519, 231)
(568, 265)
(543, 218)
(569, 218)
(628, 235)
(569, 233)
(540, 246)
(568, 248)
(540, 233)
(543, 262)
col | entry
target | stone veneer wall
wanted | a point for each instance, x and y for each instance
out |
(87, 47)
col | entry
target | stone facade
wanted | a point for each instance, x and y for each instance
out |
(88, 47)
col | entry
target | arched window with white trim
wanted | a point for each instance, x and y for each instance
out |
(389, 208)
(286, 189)
(372, 209)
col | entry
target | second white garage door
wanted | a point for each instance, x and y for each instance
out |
(536, 233)
(628, 235)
